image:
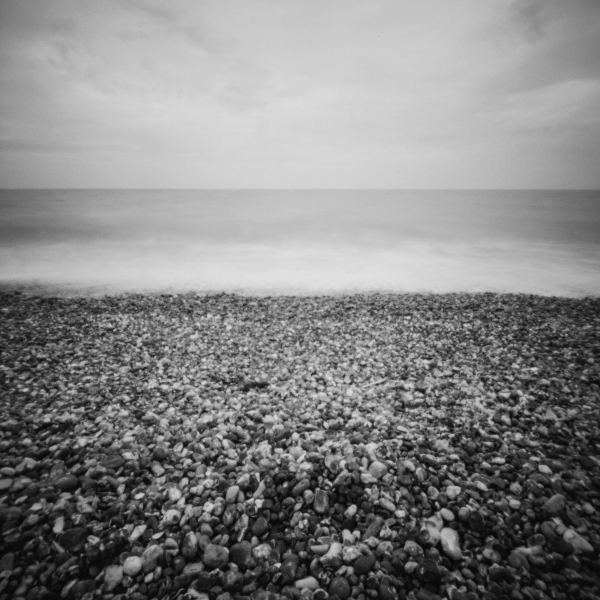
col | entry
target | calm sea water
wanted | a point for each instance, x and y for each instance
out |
(322, 241)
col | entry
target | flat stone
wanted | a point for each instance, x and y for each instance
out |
(555, 504)
(151, 556)
(307, 583)
(579, 543)
(67, 483)
(192, 570)
(517, 560)
(113, 575)
(113, 461)
(300, 487)
(387, 505)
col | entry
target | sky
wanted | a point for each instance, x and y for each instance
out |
(300, 94)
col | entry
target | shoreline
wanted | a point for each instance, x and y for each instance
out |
(46, 290)
(227, 446)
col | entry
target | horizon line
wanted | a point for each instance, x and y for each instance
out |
(308, 189)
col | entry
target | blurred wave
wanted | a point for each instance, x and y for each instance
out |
(302, 241)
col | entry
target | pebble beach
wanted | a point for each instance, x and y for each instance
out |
(225, 447)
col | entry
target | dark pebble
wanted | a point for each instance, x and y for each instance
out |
(364, 564)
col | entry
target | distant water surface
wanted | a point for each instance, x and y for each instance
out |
(302, 242)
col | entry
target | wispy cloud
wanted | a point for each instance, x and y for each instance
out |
(532, 16)
(300, 93)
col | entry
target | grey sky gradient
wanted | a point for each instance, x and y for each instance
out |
(300, 93)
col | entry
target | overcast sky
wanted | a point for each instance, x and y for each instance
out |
(300, 93)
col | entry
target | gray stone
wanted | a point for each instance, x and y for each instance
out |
(241, 555)
(321, 502)
(73, 540)
(289, 568)
(340, 587)
(113, 575)
(132, 566)
(150, 558)
(215, 557)
(189, 547)
(364, 564)
(555, 504)
(67, 483)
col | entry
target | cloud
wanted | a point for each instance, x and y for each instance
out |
(300, 93)
(532, 16)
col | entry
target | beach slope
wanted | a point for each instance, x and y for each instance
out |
(221, 446)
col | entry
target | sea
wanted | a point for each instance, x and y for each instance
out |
(282, 242)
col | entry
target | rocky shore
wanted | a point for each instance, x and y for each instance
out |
(226, 447)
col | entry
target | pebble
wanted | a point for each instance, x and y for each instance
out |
(189, 547)
(429, 571)
(260, 527)
(7, 563)
(73, 540)
(364, 564)
(66, 483)
(307, 583)
(321, 502)
(113, 576)
(364, 446)
(289, 568)
(340, 587)
(215, 557)
(447, 515)
(150, 557)
(518, 560)
(232, 494)
(241, 554)
(377, 469)
(193, 569)
(555, 504)
(579, 543)
(450, 543)
(132, 566)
